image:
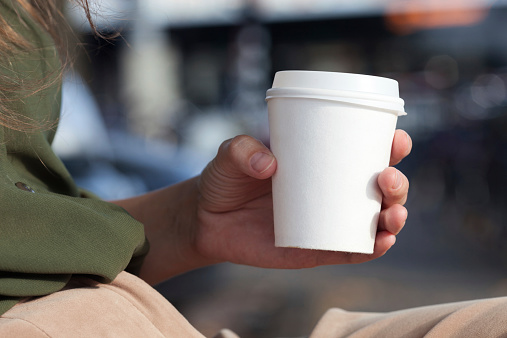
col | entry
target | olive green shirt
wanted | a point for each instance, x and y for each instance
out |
(49, 230)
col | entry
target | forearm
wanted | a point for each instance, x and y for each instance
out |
(169, 217)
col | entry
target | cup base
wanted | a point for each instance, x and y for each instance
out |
(367, 251)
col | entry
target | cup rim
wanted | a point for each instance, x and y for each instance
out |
(376, 101)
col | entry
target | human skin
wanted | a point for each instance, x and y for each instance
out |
(226, 215)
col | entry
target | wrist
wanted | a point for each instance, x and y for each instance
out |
(170, 219)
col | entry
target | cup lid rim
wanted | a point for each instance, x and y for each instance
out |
(336, 81)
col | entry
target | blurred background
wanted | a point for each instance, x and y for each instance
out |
(151, 107)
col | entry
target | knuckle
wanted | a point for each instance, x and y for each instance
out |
(224, 146)
(237, 144)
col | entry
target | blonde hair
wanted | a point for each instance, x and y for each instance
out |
(48, 15)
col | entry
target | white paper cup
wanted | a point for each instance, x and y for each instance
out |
(331, 134)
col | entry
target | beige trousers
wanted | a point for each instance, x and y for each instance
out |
(129, 307)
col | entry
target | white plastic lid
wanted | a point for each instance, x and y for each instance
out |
(336, 81)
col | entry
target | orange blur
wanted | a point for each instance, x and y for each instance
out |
(408, 16)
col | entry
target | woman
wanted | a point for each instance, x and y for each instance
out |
(72, 263)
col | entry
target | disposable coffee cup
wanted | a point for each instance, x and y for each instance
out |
(331, 134)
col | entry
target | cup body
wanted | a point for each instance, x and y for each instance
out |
(330, 146)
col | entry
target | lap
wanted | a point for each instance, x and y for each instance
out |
(478, 318)
(128, 307)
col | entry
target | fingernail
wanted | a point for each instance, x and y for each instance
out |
(261, 162)
(398, 180)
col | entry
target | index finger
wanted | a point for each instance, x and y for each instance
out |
(402, 145)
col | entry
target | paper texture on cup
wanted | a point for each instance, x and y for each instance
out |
(329, 154)
(342, 214)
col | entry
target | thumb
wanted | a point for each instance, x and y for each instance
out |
(245, 155)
